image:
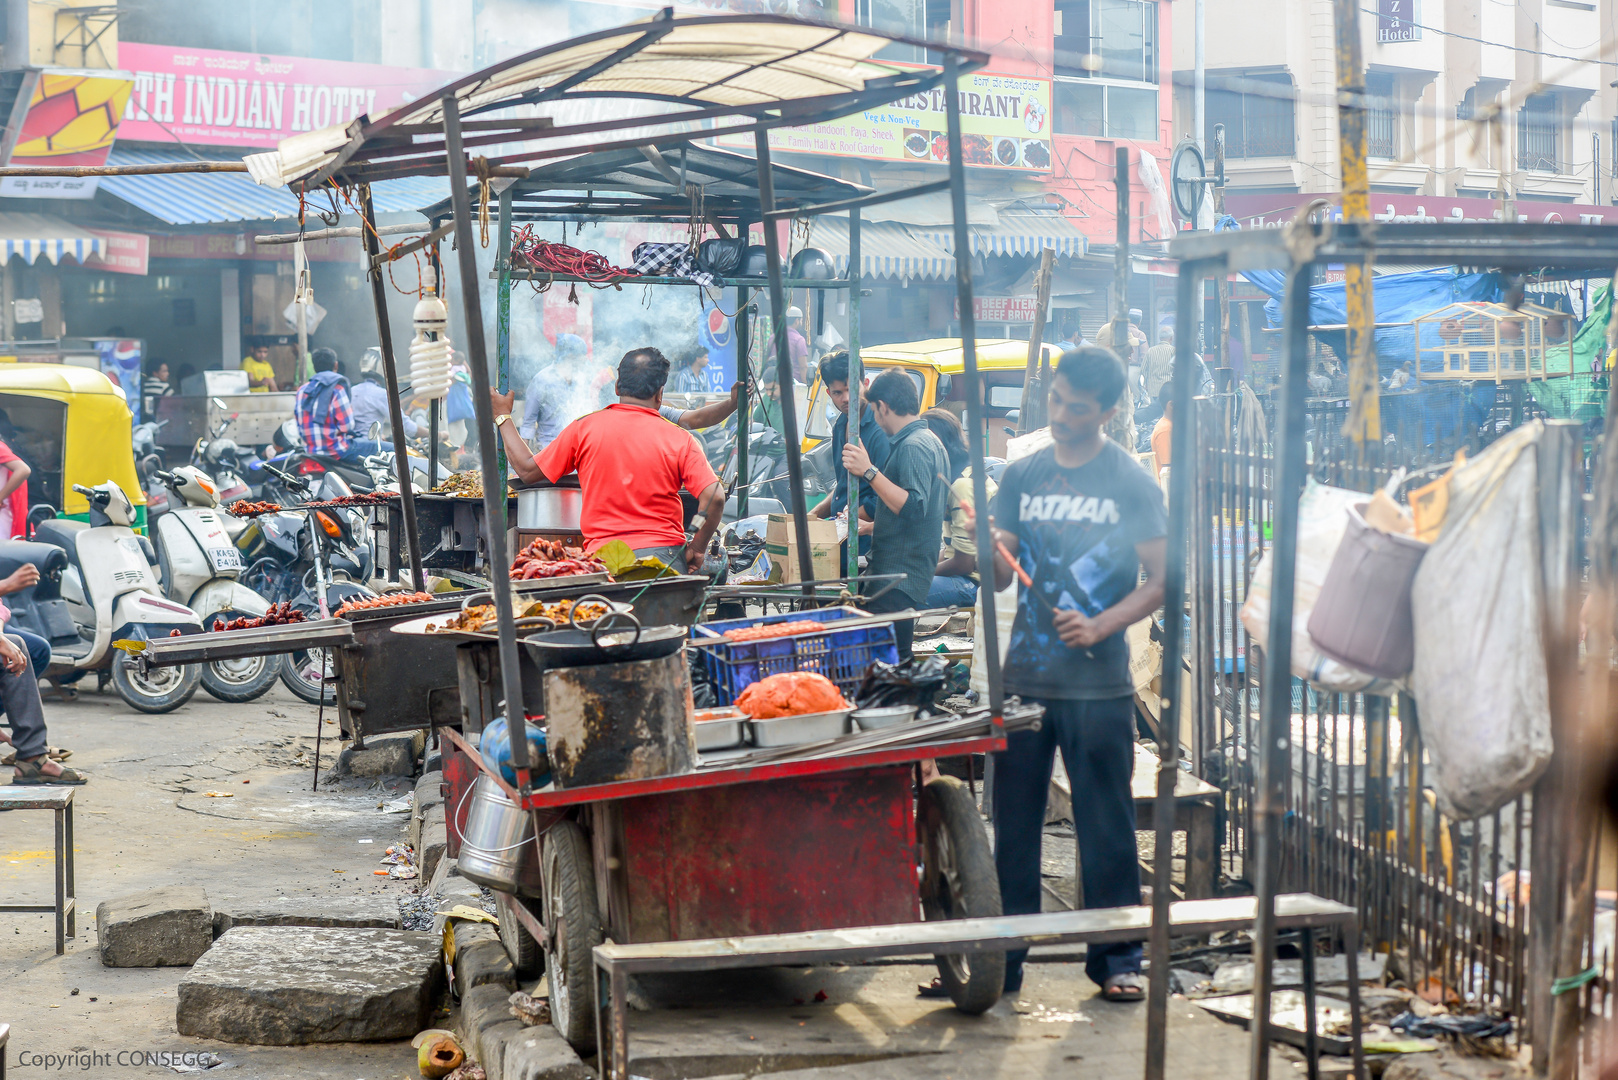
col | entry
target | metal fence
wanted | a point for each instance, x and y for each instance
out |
(1445, 899)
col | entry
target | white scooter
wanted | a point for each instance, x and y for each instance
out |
(198, 565)
(112, 594)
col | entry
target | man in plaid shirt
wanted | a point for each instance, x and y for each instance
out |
(326, 414)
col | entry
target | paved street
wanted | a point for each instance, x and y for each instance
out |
(145, 819)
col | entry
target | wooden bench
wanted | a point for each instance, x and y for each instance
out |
(1189, 918)
(59, 800)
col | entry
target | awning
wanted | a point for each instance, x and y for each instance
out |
(887, 249)
(33, 235)
(209, 198)
(1020, 232)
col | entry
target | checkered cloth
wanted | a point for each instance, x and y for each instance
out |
(670, 260)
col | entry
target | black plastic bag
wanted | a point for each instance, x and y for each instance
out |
(910, 682)
(704, 695)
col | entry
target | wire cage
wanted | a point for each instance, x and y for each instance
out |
(1557, 337)
(1475, 340)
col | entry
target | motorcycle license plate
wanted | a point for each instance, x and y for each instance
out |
(225, 558)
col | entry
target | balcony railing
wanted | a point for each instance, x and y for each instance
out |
(1382, 133)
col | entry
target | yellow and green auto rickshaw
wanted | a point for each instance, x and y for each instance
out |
(71, 425)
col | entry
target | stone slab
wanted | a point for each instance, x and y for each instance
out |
(480, 958)
(375, 911)
(165, 927)
(434, 840)
(507, 1048)
(384, 755)
(540, 1053)
(292, 985)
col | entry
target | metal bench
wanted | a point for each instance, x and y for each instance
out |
(59, 800)
(1293, 911)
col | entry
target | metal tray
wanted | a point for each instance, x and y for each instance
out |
(418, 626)
(720, 729)
(886, 716)
(258, 641)
(797, 730)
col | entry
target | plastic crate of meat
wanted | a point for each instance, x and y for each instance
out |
(840, 655)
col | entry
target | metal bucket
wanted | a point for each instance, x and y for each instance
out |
(553, 509)
(497, 843)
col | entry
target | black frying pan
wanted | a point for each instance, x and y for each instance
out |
(615, 637)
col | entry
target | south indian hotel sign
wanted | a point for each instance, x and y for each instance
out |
(1005, 124)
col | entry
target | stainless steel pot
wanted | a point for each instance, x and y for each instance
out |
(497, 843)
(553, 509)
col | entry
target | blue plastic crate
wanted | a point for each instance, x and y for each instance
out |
(840, 655)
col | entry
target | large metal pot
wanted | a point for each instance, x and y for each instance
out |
(551, 509)
(497, 843)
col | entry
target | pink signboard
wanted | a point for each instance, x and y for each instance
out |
(217, 98)
(1270, 211)
(127, 253)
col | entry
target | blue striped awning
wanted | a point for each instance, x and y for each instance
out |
(209, 198)
(1020, 232)
(33, 235)
(887, 250)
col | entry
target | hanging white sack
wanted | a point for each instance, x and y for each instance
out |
(1322, 522)
(1480, 680)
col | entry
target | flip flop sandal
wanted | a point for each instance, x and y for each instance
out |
(934, 989)
(55, 753)
(1127, 987)
(29, 774)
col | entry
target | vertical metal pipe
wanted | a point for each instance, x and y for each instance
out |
(384, 334)
(1364, 423)
(856, 375)
(1199, 74)
(974, 386)
(1120, 258)
(1275, 723)
(494, 489)
(435, 258)
(1182, 474)
(502, 323)
(783, 359)
(744, 374)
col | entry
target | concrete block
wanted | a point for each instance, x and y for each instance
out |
(540, 1053)
(434, 841)
(510, 1050)
(480, 959)
(166, 927)
(434, 762)
(291, 985)
(384, 755)
(441, 875)
(376, 911)
(483, 1010)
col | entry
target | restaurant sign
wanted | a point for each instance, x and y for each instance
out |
(219, 98)
(1005, 124)
(1002, 309)
(1273, 211)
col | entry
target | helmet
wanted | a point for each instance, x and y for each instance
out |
(813, 264)
(755, 262)
(371, 361)
(195, 486)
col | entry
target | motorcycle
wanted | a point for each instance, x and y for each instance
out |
(221, 459)
(103, 591)
(198, 565)
(314, 558)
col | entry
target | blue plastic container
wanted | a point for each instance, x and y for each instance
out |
(495, 746)
(840, 655)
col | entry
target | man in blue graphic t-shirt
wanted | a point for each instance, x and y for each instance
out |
(1082, 518)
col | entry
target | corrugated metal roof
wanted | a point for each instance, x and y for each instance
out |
(1018, 233)
(33, 235)
(887, 249)
(208, 198)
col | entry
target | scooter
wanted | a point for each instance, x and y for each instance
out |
(221, 459)
(198, 565)
(106, 591)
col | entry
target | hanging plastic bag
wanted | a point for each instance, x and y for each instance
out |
(1322, 521)
(910, 682)
(1480, 679)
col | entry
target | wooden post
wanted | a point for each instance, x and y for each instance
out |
(1364, 423)
(1033, 387)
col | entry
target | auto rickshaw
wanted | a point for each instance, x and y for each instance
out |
(72, 426)
(936, 365)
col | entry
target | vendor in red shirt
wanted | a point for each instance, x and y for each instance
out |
(632, 464)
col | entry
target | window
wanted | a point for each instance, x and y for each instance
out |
(1103, 111)
(907, 17)
(1381, 115)
(1257, 113)
(1539, 131)
(1109, 39)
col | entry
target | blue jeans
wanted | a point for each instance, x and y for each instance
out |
(360, 449)
(19, 696)
(38, 649)
(1097, 741)
(961, 592)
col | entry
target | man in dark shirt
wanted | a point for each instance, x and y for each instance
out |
(1082, 518)
(912, 492)
(834, 377)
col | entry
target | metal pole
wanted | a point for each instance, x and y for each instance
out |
(783, 359)
(502, 319)
(494, 490)
(1033, 386)
(1364, 423)
(1120, 258)
(974, 389)
(1181, 475)
(1199, 76)
(856, 372)
(1221, 286)
(384, 335)
(436, 261)
(1276, 700)
(744, 408)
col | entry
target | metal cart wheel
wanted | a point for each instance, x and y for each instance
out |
(958, 881)
(574, 923)
(527, 956)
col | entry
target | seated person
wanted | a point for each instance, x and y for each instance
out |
(32, 761)
(325, 413)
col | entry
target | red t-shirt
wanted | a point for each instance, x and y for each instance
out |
(18, 501)
(632, 464)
